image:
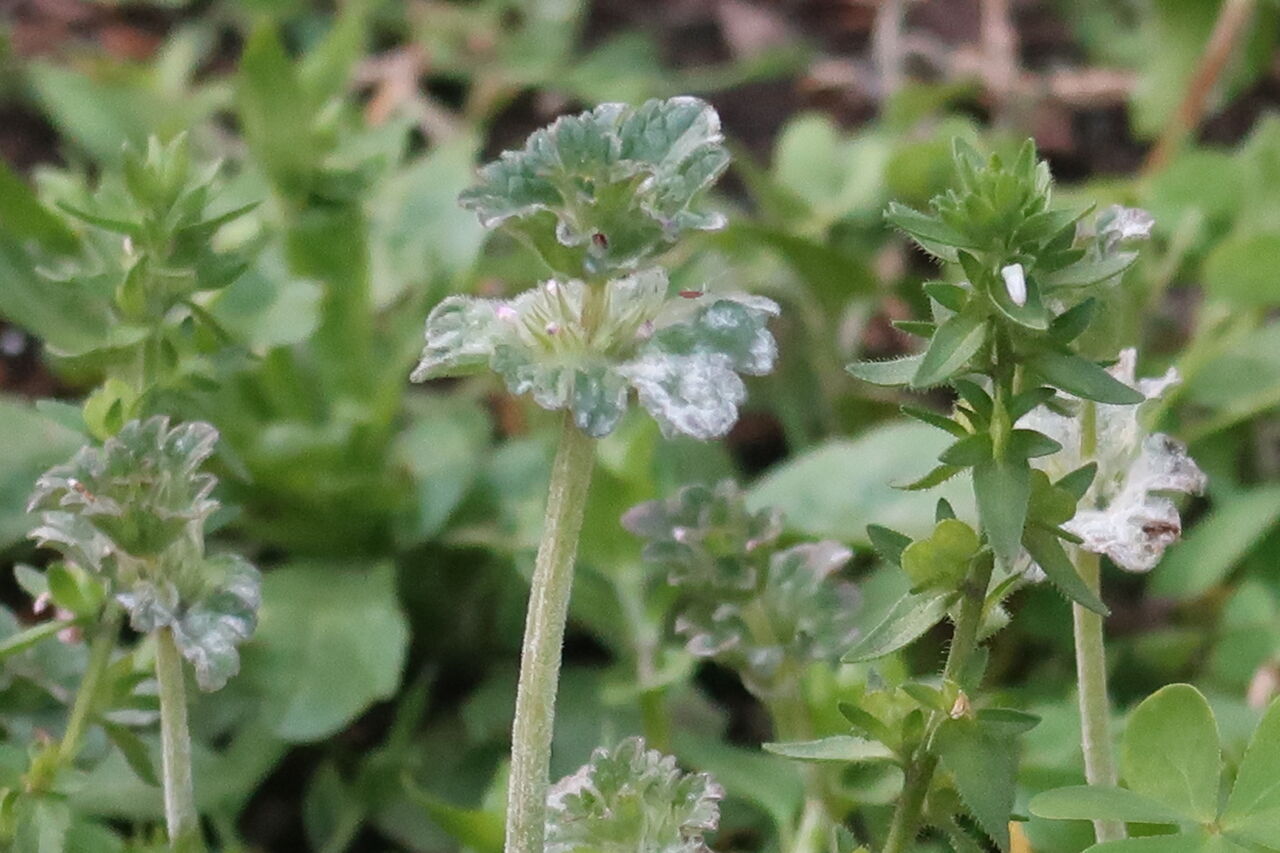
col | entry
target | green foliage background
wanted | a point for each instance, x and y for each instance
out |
(396, 525)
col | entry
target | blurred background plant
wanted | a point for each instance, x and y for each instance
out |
(396, 525)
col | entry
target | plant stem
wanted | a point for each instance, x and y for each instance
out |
(100, 648)
(1095, 707)
(180, 812)
(543, 638)
(919, 773)
(1091, 660)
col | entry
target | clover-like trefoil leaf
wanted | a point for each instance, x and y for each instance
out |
(1125, 514)
(681, 355)
(631, 800)
(604, 191)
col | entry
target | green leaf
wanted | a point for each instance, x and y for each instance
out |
(950, 296)
(1093, 802)
(893, 371)
(1090, 271)
(985, 769)
(1083, 378)
(1003, 490)
(23, 217)
(135, 752)
(1253, 809)
(331, 640)
(843, 749)
(955, 343)
(42, 825)
(934, 419)
(1029, 444)
(936, 477)
(1240, 270)
(1073, 322)
(481, 831)
(1197, 843)
(934, 236)
(942, 560)
(275, 114)
(967, 452)
(888, 543)
(1171, 752)
(1047, 551)
(812, 488)
(908, 620)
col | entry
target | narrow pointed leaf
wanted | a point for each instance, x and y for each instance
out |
(889, 544)
(911, 617)
(985, 772)
(955, 343)
(936, 420)
(936, 477)
(842, 749)
(1047, 551)
(1002, 489)
(1083, 378)
(894, 371)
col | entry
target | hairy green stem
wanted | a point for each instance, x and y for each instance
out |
(1095, 706)
(919, 772)
(100, 649)
(1091, 660)
(180, 813)
(543, 638)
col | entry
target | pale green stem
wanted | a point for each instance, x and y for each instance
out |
(790, 714)
(100, 649)
(919, 773)
(543, 638)
(1091, 660)
(1095, 707)
(180, 813)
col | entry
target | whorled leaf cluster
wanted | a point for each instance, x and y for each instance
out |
(600, 195)
(1026, 278)
(629, 799)
(158, 216)
(133, 511)
(747, 602)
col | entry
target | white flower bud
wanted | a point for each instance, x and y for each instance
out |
(1015, 282)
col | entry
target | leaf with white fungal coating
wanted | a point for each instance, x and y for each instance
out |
(628, 799)
(603, 192)
(682, 356)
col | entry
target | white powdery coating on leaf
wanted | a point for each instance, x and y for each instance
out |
(696, 395)
(1121, 224)
(1121, 515)
(1138, 525)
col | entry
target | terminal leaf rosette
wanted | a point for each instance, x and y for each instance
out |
(133, 511)
(629, 799)
(605, 191)
(748, 603)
